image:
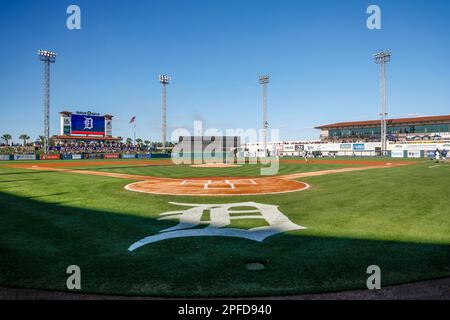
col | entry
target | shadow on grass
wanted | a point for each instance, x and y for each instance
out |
(47, 195)
(38, 241)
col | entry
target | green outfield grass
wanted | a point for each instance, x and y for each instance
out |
(246, 170)
(186, 171)
(397, 218)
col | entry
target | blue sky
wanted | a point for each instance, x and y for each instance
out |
(318, 54)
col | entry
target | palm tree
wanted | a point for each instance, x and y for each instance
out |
(7, 137)
(147, 142)
(24, 137)
(41, 140)
(129, 141)
(139, 141)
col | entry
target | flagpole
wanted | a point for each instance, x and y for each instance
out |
(133, 121)
(134, 137)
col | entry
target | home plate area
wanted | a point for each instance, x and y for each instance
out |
(218, 186)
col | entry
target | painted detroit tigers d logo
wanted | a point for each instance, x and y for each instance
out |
(88, 123)
(221, 216)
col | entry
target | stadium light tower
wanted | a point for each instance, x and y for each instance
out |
(48, 58)
(165, 80)
(264, 80)
(382, 58)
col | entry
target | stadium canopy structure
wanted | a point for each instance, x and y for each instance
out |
(402, 129)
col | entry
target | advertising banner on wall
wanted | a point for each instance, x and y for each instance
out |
(108, 125)
(66, 125)
(372, 146)
(93, 156)
(144, 156)
(161, 155)
(359, 147)
(398, 147)
(346, 146)
(128, 156)
(111, 156)
(4, 157)
(289, 147)
(332, 147)
(24, 157)
(77, 156)
(66, 156)
(50, 157)
(414, 154)
(418, 147)
(397, 154)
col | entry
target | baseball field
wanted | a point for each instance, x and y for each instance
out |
(109, 217)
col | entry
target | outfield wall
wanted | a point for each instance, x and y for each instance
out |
(289, 149)
(418, 149)
(82, 156)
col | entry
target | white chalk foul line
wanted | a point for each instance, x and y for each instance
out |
(207, 184)
(230, 184)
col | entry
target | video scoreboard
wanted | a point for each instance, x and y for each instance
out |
(86, 124)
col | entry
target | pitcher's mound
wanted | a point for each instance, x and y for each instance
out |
(215, 165)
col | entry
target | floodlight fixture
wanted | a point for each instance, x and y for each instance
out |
(164, 79)
(265, 79)
(47, 56)
(382, 57)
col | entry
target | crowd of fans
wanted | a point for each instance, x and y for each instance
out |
(302, 142)
(18, 149)
(121, 147)
(100, 147)
(81, 147)
(392, 138)
(359, 140)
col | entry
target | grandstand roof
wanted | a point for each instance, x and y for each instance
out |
(389, 122)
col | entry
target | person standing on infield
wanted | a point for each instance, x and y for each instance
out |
(437, 155)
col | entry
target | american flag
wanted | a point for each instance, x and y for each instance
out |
(133, 120)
